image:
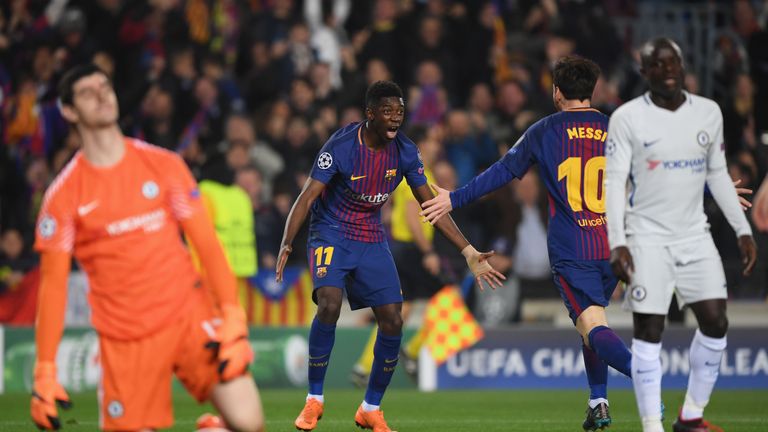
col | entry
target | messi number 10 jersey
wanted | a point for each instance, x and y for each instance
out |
(569, 148)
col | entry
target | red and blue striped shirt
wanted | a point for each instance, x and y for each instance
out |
(359, 181)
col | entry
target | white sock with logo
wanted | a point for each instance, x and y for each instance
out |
(318, 397)
(705, 355)
(646, 380)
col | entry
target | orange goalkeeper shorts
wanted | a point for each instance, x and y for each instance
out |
(136, 376)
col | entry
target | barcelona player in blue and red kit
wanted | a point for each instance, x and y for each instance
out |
(569, 148)
(354, 174)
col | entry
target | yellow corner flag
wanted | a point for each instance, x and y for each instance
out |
(450, 326)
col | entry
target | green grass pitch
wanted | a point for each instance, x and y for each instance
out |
(409, 410)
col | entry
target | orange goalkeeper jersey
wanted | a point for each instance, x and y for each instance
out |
(122, 225)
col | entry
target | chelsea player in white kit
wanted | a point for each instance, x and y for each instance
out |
(663, 147)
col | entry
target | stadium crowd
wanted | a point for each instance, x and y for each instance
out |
(261, 84)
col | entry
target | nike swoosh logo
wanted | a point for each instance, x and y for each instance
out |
(650, 143)
(711, 364)
(85, 209)
(390, 360)
(353, 178)
(318, 357)
(645, 371)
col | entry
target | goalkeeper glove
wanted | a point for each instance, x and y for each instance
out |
(46, 393)
(233, 350)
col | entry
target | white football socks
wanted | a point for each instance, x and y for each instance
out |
(318, 397)
(646, 380)
(705, 356)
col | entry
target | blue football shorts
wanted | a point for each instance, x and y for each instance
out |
(583, 284)
(366, 271)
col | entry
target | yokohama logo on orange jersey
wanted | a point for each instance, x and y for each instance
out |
(151, 221)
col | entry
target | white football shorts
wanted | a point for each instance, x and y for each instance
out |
(692, 269)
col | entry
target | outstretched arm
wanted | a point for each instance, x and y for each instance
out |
(496, 176)
(312, 189)
(477, 261)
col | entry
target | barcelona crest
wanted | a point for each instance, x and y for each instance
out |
(391, 173)
(321, 272)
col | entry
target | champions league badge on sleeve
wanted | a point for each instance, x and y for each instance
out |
(325, 160)
(47, 227)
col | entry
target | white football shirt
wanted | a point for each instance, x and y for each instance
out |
(657, 164)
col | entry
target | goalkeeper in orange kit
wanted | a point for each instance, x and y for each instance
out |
(118, 207)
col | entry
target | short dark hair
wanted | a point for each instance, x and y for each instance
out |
(67, 82)
(379, 90)
(575, 77)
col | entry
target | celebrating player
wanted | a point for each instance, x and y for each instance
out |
(569, 148)
(118, 207)
(354, 174)
(668, 143)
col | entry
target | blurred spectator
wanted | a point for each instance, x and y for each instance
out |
(302, 98)
(469, 149)
(475, 43)
(76, 47)
(452, 265)
(320, 77)
(299, 148)
(530, 256)
(326, 21)
(427, 99)
(606, 96)
(380, 39)
(738, 117)
(157, 119)
(241, 133)
(431, 46)
(15, 260)
(509, 120)
(729, 61)
(266, 219)
(300, 53)
(691, 83)
(229, 207)
(262, 83)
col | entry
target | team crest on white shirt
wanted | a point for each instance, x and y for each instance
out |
(638, 293)
(702, 138)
